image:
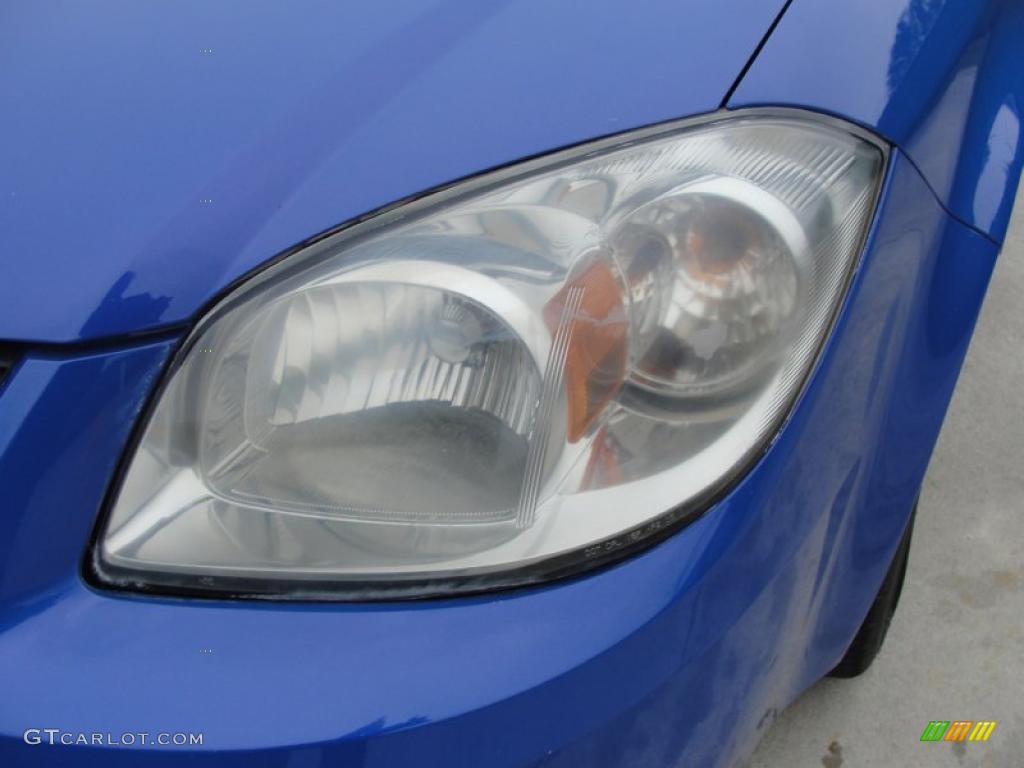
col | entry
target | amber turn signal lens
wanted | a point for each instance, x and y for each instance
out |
(595, 364)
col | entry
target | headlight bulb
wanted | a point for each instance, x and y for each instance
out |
(456, 333)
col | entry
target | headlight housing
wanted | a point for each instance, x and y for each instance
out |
(515, 378)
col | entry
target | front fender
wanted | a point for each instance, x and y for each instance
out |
(941, 79)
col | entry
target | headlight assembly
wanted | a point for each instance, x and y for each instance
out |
(508, 380)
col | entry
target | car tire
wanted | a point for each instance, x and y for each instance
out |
(872, 632)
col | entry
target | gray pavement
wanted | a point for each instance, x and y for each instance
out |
(955, 650)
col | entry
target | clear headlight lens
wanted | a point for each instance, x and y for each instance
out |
(529, 371)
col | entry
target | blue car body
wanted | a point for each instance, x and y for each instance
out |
(123, 119)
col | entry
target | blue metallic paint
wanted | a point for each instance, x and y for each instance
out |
(117, 126)
(942, 79)
(681, 653)
(63, 425)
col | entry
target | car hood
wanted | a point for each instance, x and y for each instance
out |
(153, 153)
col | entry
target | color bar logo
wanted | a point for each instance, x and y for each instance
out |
(958, 730)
